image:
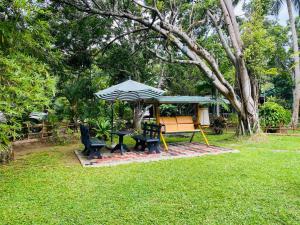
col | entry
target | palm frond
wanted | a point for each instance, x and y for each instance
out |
(276, 7)
(296, 4)
(235, 2)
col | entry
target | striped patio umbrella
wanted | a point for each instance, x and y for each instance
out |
(129, 91)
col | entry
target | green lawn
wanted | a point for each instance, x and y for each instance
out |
(255, 186)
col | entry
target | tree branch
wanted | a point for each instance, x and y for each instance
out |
(196, 23)
(154, 9)
(123, 35)
(222, 37)
(171, 60)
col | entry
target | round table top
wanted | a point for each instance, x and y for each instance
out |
(122, 132)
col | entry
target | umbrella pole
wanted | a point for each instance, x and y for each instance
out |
(112, 122)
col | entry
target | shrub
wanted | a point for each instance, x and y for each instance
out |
(233, 119)
(219, 124)
(168, 110)
(101, 126)
(273, 115)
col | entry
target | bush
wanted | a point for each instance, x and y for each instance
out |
(233, 119)
(62, 134)
(273, 115)
(219, 124)
(101, 126)
(168, 110)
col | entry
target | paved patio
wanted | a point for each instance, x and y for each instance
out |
(176, 150)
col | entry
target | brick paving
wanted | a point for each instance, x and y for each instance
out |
(176, 150)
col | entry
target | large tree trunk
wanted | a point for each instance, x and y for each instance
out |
(296, 77)
(249, 120)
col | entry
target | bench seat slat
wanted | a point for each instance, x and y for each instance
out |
(184, 131)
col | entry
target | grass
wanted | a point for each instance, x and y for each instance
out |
(256, 186)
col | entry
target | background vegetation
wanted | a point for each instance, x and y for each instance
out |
(53, 57)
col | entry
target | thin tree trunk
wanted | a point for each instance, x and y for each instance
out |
(296, 77)
(139, 114)
(137, 120)
(217, 104)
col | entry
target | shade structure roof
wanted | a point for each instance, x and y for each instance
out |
(129, 91)
(203, 100)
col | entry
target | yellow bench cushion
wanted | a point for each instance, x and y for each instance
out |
(177, 124)
(168, 120)
(184, 120)
(170, 124)
(185, 127)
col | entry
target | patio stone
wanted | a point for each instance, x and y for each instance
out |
(176, 150)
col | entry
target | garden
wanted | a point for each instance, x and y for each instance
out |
(149, 112)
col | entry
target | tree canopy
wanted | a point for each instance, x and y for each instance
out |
(56, 54)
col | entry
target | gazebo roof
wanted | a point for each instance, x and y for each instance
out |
(188, 100)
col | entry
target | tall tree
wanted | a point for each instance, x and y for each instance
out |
(291, 4)
(176, 26)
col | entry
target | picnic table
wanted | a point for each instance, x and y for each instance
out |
(120, 146)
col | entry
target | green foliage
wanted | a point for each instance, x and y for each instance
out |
(26, 82)
(233, 119)
(102, 127)
(273, 115)
(168, 110)
(61, 109)
(281, 85)
(26, 86)
(62, 134)
(258, 43)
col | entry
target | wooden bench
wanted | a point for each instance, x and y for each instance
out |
(92, 146)
(180, 124)
(150, 138)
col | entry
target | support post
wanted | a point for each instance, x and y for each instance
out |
(157, 117)
(203, 135)
(197, 113)
(112, 122)
(157, 113)
(164, 141)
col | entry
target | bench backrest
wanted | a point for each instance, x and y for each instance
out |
(170, 124)
(85, 135)
(185, 123)
(177, 124)
(151, 130)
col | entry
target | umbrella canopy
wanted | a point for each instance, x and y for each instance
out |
(129, 91)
